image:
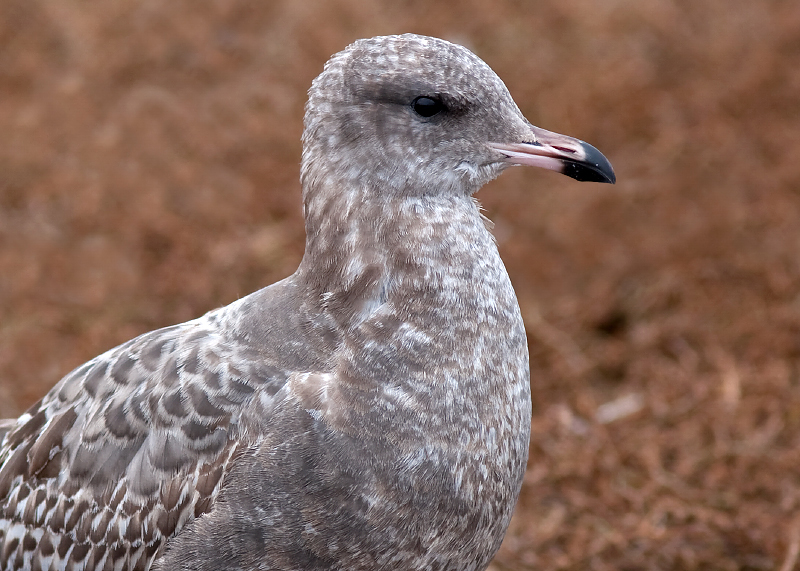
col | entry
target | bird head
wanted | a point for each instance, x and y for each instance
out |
(412, 114)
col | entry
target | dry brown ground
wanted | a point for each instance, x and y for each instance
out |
(148, 172)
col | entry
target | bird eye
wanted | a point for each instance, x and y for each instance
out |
(427, 106)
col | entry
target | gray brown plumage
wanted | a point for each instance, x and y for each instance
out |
(371, 411)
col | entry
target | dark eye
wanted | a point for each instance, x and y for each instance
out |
(427, 106)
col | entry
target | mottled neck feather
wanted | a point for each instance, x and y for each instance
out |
(412, 281)
(362, 249)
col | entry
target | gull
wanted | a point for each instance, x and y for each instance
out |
(370, 411)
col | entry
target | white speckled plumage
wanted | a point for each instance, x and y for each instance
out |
(371, 411)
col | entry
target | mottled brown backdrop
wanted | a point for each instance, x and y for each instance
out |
(149, 157)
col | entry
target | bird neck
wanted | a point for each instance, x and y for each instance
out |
(362, 248)
(405, 283)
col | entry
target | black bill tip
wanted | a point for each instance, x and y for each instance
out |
(593, 167)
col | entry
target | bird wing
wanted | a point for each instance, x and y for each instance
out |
(129, 448)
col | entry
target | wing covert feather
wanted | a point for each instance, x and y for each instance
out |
(127, 449)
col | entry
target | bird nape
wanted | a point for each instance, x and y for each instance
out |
(371, 411)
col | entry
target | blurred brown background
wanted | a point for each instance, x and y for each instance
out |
(149, 156)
